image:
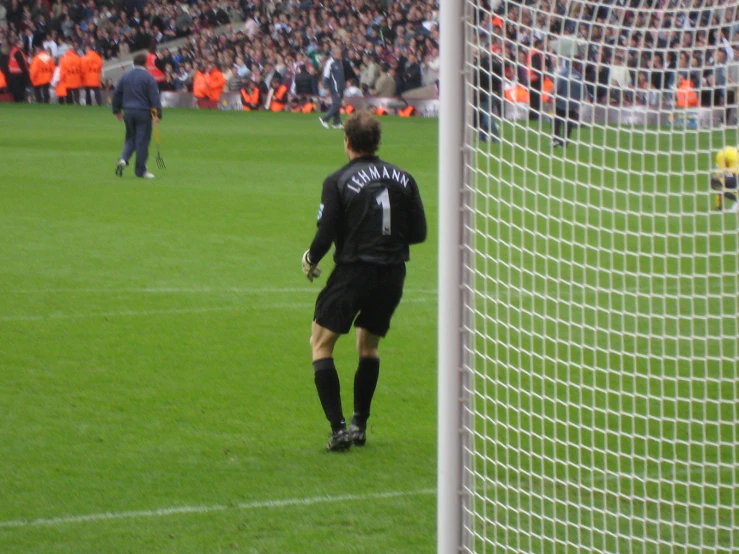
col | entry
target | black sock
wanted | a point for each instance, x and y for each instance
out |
(329, 391)
(730, 196)
(365, 382)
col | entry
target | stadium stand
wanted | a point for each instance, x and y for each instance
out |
(635, 52)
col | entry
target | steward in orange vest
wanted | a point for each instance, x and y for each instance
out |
(70, 74)
(200, 85)
(279, 96)
(3, 82)
(59, 89)
(216, 83)
(251, 100)
(17, 72)
(154, 66)
(535, 65)
(309, 107)
(42, 70)
(686, 96)
(92, 69)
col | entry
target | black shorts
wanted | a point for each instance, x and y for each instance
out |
(366, 294)
(728, 181)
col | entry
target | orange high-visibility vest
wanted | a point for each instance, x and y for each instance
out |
(547, 89)
(42, 69)
(380, 111)
(686, 96)
(92, 69)
(309, 107)
(61, 89)
(245, 100)
(279, 100)
(14, 67)
(153, 69)
(249, 100)
(408, 111)
(70, 70)
(517, 94)
(350, 109)
(216, 83)
(3, 82)
(200, 85)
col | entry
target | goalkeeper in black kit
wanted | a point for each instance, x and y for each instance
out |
(372, 211)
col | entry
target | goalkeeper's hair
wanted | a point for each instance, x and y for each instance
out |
(363, 132)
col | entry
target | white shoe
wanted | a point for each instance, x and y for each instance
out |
(337, 126)
(147, 175)
(324, 123)
(120, 167)
(734, 207)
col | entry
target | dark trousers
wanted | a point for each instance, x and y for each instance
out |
(138, 136)
(89, 92)
(486, 122)
(17, 86)
(73, 96)
(333, 109)
(535, 100)
(42, 94)
(561, 118)
(730, 99)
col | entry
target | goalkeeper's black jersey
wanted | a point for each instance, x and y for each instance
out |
(372, 211)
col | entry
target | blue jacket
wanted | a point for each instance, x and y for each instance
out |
(570, 90)
(137, 90)
(335, 82)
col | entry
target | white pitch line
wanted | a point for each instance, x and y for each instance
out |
(598, 480)
(52, 522)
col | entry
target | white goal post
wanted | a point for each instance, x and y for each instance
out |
(588, 317)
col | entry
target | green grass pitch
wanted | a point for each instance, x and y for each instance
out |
(156, 392)
(154, 345)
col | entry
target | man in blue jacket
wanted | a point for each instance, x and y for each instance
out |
(335, 83)
(570, 93)
(137, 95)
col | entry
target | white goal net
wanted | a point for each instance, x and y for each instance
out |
(595, 405)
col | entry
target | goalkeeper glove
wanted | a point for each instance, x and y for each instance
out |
(310, 269)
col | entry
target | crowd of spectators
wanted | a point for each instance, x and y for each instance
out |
(632, 50)
(390, 46)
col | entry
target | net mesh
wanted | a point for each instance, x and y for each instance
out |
(600, 277)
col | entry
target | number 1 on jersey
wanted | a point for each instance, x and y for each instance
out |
(383, 199)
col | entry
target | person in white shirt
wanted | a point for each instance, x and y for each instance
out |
(51, 46)
(620, 79)
(352, 90)
(431, 67)
(241, 70)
